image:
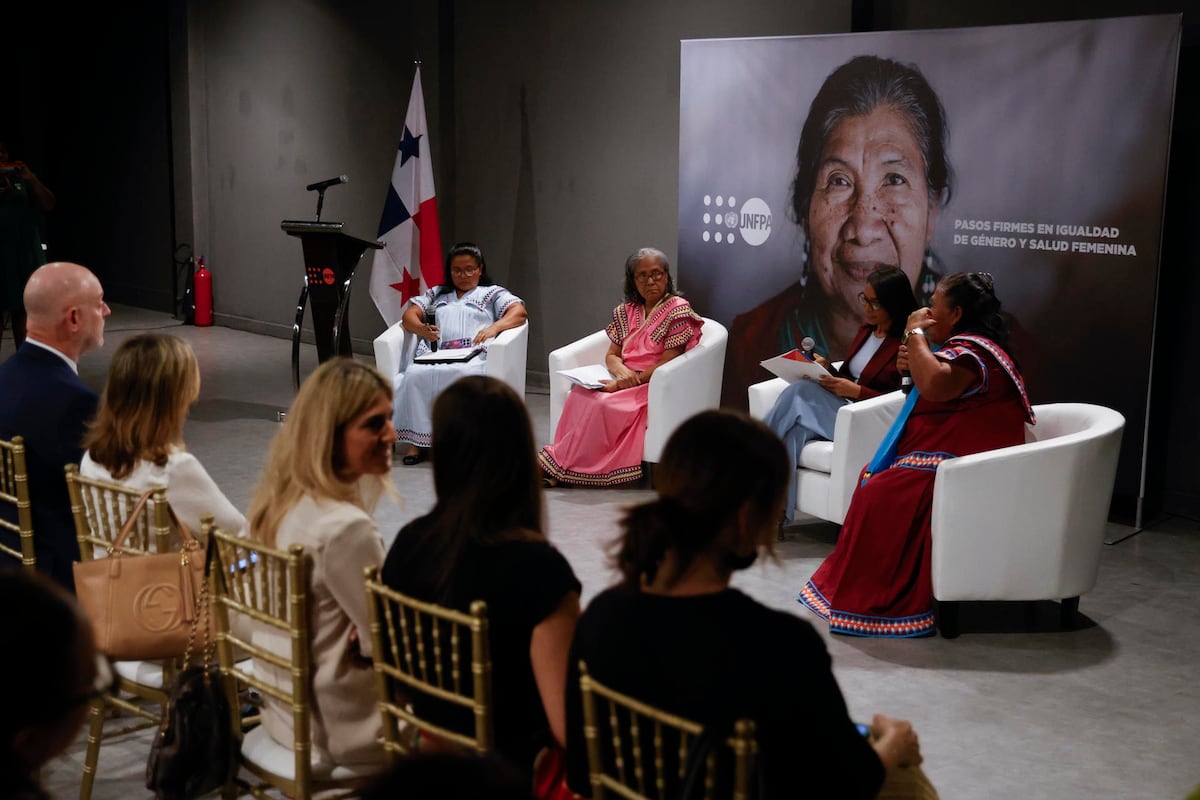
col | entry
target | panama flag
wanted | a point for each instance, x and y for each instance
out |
(411, 259)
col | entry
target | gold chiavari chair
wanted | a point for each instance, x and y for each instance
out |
(428, 648)
(100, 508)
(262, 606)
(14, 489)
(646, 756)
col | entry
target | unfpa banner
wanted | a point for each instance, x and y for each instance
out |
(1037, 153)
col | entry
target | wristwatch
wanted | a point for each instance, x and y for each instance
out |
(913, 332)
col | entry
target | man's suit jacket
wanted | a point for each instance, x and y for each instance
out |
(43, 400)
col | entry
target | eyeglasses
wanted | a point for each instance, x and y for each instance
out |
(874, 305)
(646, 277)
(460, 272)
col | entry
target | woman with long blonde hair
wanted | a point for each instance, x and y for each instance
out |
(136, 439)
(326, 468)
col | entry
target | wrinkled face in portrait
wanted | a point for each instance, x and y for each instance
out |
(870, 205)
(465, 272)
(367, 442)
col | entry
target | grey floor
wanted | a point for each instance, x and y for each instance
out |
(1012, 709)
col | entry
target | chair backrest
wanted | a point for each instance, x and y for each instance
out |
(14, 489)
(506, 360)
(427, 648)
(651, 754)
(260, 587)
(685, 386)
(100, 508)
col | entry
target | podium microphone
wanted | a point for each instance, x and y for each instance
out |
(431, 320)
(321, 186)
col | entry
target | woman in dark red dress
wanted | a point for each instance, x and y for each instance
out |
(969, 397)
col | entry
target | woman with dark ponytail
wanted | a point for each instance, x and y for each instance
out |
(969, 397)
(674, 634)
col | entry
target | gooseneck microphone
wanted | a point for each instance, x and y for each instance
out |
(321, 186)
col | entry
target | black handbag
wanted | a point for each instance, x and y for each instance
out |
(194, 751)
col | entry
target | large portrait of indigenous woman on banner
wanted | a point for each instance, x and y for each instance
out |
(1037, 153)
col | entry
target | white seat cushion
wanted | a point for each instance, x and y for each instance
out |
(818, 456)
(147, 673)
(260, 749)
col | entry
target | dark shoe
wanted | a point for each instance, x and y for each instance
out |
(413, 458)
(549, 482)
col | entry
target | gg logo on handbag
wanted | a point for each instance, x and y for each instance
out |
(158, 607)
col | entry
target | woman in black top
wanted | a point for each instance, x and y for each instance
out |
(675, 635)
(484, 540)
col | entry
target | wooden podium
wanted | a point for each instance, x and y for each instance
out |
(330, 259)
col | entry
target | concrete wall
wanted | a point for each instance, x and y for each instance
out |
(282, 94)
(557, 187)
(568, 140)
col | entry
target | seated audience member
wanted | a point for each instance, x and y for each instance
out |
(326, 468)
(438, 776)
(602, 432)
(675, 635)
(50, 686)
(466, 310)
(43, 400)
(484, 540)
(137, 437)
(807, 410)
(968, 397)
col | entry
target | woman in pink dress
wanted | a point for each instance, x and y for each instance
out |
(968, 398)
(601, 432)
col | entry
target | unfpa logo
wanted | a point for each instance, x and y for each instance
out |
(752, 221)
(755, 221)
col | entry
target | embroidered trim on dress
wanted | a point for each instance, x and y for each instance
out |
(562, 475)
(409, 436)
(883, 627)
(1003, 359)
(922, 460)
(811, 598)
(861, 624)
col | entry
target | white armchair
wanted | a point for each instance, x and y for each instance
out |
(506, 355)
(828, 471)
(679, 389)
(1027, 522)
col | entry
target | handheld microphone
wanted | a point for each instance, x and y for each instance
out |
(431, 320)
(906, 381)
(321, 186)
(806, 346)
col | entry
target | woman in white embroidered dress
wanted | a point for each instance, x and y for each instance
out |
(466, 310)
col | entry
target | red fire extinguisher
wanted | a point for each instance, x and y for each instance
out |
(204, 297)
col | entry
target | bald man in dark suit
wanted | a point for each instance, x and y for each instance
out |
(43, 400)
